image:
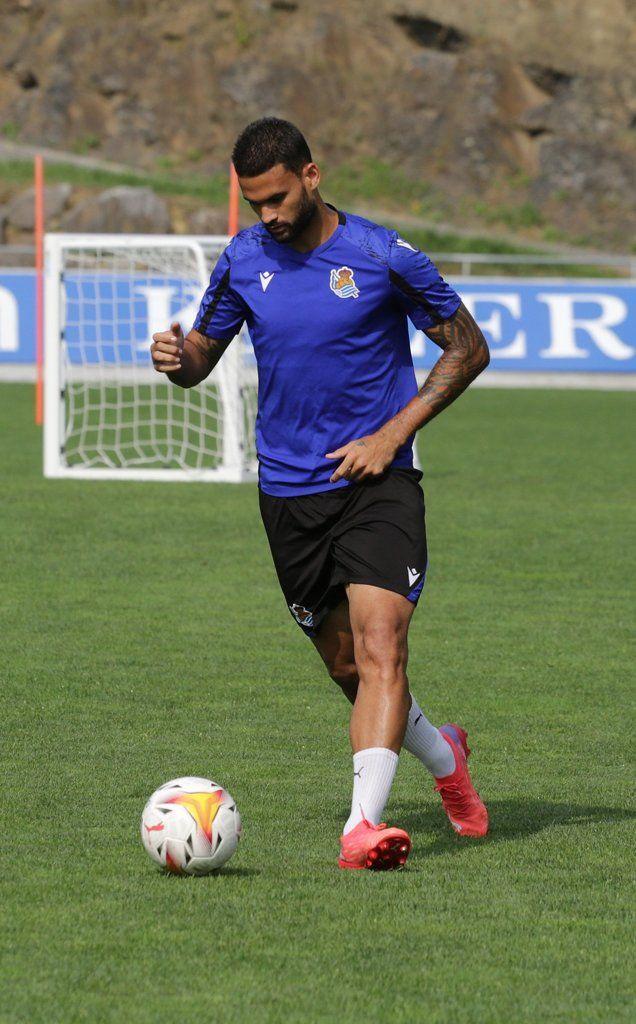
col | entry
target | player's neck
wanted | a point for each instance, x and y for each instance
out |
(319, 231)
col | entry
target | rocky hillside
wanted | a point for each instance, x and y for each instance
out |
(520, 114)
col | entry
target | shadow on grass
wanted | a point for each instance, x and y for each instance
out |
(225, 872)
(509, 819)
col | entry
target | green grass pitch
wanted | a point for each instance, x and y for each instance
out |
(144, 637)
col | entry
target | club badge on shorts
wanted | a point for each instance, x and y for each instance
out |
(302, 615)
(342, 284)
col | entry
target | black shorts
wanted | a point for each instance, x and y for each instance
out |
(364, 533)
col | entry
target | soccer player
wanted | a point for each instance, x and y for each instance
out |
(326, 295)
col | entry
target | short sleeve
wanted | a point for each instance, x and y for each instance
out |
(419, 287)
(222, 312)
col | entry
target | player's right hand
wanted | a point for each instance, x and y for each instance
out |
(166, 349)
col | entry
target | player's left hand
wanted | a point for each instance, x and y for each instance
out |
(364, 458)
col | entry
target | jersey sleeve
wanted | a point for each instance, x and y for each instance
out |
(222, 311)
(419, 287)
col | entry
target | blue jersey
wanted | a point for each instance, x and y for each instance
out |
(330, 335)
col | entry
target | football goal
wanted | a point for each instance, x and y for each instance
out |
(107, 413)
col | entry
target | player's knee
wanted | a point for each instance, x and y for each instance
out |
(381, 653)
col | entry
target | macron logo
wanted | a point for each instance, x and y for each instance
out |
(265, 276)
(413, 575)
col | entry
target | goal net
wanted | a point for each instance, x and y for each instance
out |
(108, 413)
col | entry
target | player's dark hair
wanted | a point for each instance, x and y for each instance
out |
(267, 142)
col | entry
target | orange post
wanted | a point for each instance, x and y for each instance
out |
(233, 205)
(39, 286)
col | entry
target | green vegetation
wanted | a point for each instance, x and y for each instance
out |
(373, 182)
(515, 216)
(211, 189)
(86, 143)
(366, 182)
(367, 179)
(10, 130)
(243, 33)
(167, 162)
(447, 241)
(144, 637)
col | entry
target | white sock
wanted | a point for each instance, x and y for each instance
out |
(427, 743)
(373, 771)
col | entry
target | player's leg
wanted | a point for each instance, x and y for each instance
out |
(299, 533)
(379, 622)
(334, 643)
(444, 752)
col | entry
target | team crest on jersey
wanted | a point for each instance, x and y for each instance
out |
(302, 615)
(342, 284)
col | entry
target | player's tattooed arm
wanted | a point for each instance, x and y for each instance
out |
(465, 354)
(186, 361)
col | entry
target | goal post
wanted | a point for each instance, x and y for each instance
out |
(108, 415)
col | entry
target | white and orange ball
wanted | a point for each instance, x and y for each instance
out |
(190, 826)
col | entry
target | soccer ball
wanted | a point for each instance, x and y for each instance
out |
(190, 826)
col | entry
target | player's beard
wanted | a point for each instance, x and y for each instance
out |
(306, 212)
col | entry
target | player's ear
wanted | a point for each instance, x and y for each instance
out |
(311, 176)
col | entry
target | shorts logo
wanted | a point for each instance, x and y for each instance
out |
(302, 615)
(342, 284)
